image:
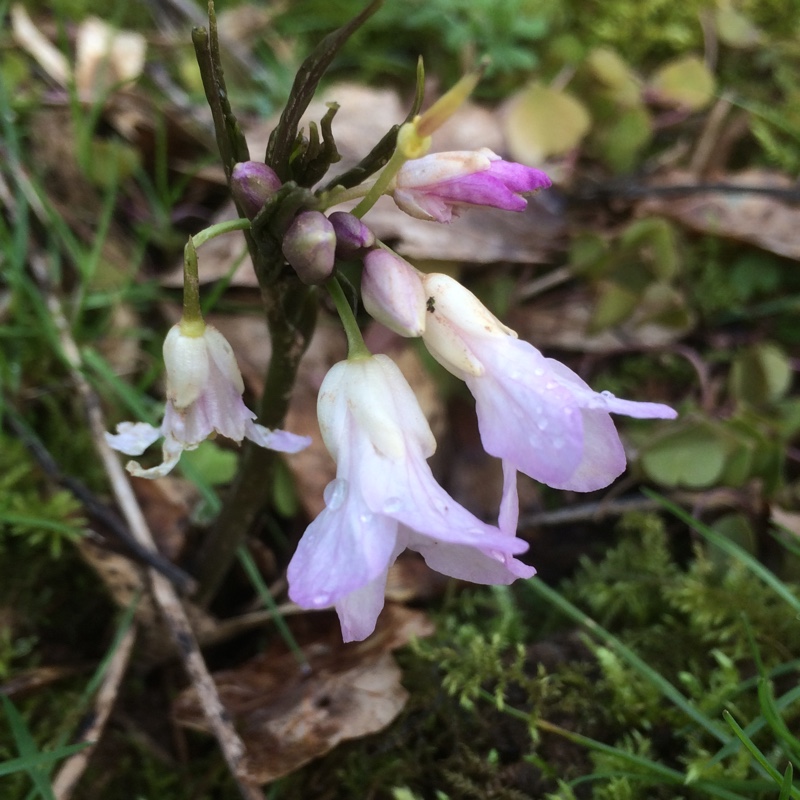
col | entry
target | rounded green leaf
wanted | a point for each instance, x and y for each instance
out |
(693, 456)
(544, 122)
(686, 82)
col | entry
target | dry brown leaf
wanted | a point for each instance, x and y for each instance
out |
(287, 718)
(106, 57)
(34, 42)
(767, 222)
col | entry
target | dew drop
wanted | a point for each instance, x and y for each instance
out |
(335, 493)
(320, 600)
(606, 393)
(542, 424)
(366, 517)
(392, 505)
(514, 375)
(550, 385)
(538, 372)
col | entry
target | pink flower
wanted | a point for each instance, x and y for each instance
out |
(533, 412)
(204, 396)
(384, 499)
(435, 186)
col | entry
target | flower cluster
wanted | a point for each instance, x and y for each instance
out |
(535, 414)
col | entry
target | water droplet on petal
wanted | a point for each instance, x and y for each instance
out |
(320, 600)
(542, 424)
(335, 493)
(550, 385)
(538, 372)
(498, 556)
(606, 393)
(392, 505)
(514, 375)
(366, 517)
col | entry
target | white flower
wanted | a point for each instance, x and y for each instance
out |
(204, 396)
(385, 499)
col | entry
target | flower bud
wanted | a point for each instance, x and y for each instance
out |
(392, 293)
(252, 184)
(352, 235)
(310, 247)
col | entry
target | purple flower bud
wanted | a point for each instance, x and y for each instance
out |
(252, 184)
(392, 293)
(352, 235)
(310, 246)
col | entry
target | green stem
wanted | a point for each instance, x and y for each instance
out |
(382, 183)
(192, 318)
(213, 231)
(355, 342)
(336, 196)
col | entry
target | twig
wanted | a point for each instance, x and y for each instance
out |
(632, 191)
(71, 770)
(594, 512)
(98, 511)
(231, 745)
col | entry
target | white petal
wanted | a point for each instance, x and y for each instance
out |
(133, 438)
(282, 441)
(186, 362)
(221, 352)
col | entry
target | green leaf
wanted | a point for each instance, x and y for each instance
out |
(544, 122)
(693, 456)
(735, 29)
(685, 82)
(760, 374)
(611, 70)
(213, 463)
(614, 304)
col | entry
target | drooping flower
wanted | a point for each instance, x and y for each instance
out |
(435, 186)
(204, 396)
(533, 412)
(385, 499)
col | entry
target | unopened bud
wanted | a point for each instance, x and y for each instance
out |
(310, 247)
(392, 293)
(352, 235)
(252, 184)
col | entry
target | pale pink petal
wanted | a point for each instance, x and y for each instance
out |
(603, 455)
(343, 549)
(358, 611)
(280, 440)
(133, 438)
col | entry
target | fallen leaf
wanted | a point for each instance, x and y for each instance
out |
(287, 717)
(34, 42)
(105, 58)
(765, 221)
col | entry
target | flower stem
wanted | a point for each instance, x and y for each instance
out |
(212, 231)
(192, 318)
(382, 183)
(355, 342)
